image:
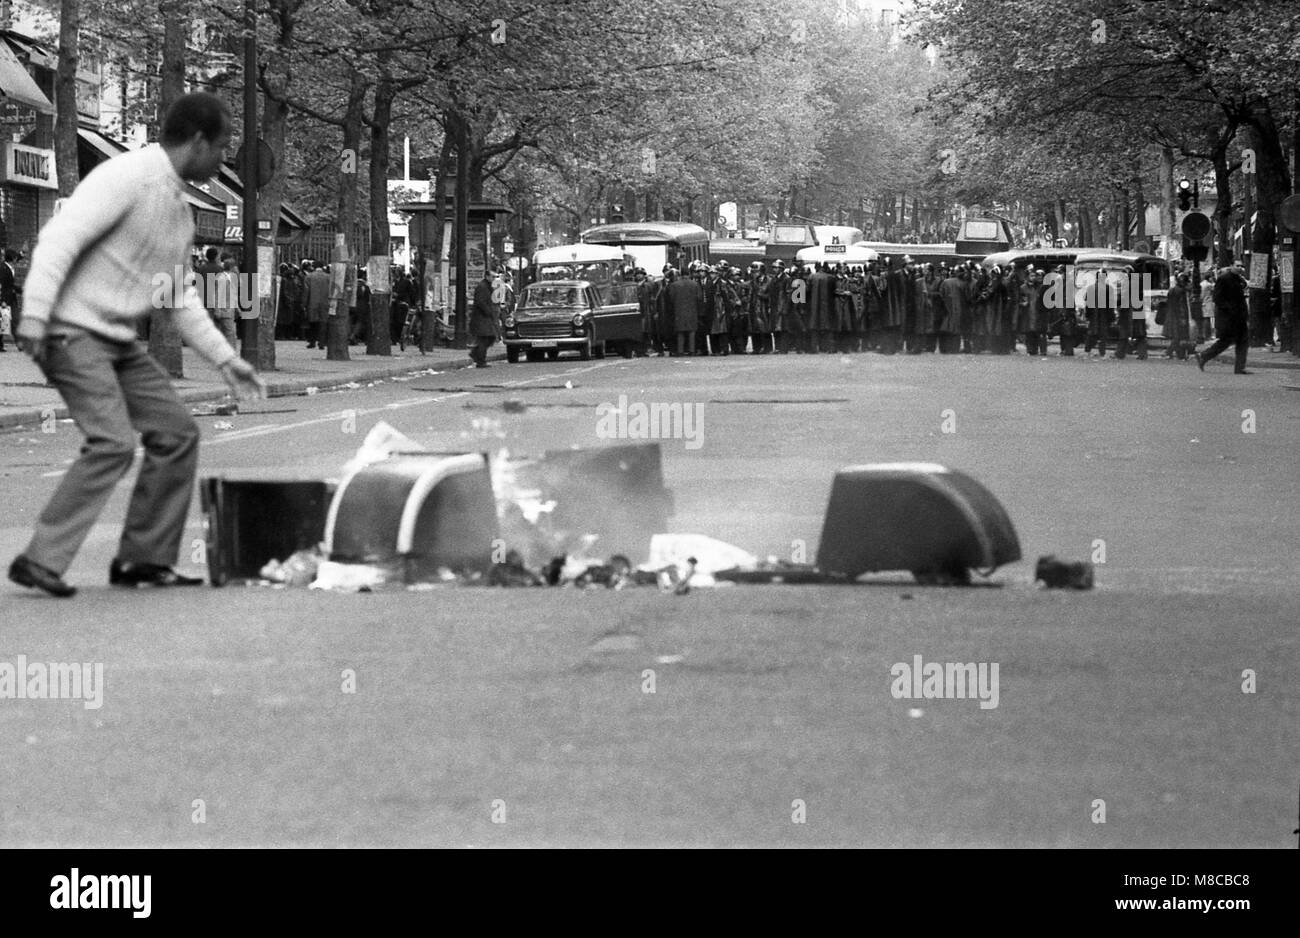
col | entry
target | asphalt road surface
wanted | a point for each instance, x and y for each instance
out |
(523, 717)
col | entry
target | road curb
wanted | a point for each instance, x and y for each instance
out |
(290, 387)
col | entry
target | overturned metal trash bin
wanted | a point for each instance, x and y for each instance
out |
(248, 523)
(921, 517)
(426, 510)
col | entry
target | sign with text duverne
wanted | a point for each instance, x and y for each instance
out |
(29, 166)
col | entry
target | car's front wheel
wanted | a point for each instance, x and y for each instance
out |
(512, 354)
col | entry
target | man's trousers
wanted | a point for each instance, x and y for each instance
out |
(114, 390)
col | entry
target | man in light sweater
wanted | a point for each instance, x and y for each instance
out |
(95, 273)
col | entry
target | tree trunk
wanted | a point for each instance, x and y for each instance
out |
(339, 326)
(276, 81)
(1273, 181)
(433, 284)
(1124, 220)
(1140, 209)
(1087, 221)
(65, 98)
(1222, 210)
(164, 337)
(379, 341)
(1167, 226)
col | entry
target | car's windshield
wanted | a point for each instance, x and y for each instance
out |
(547, 296)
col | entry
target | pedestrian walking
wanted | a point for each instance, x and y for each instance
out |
(1232, 318)
(484, 321)
(92, 279)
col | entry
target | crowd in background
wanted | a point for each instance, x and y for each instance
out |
(897, 306)
(304, 308)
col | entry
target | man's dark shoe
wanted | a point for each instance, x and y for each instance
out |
(25, 572)
(1242, 371)
(147, 574)
(1200, 361)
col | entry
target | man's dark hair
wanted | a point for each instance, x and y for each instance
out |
(196, 113)
(10, 255)
(210, 254)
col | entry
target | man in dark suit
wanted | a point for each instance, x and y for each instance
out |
(484, 321)
(1231, 318)
(317, 301)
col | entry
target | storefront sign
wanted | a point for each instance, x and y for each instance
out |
(29, 166)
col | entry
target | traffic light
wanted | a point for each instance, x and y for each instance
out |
(1197, 236)
(1184, 194)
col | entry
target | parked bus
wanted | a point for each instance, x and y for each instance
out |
(654, 244)
(921, 253)
(738, 252)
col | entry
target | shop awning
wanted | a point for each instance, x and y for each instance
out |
(101, 144)
(19, 87)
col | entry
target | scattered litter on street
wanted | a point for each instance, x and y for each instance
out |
(350, 577)
(224, 409)
(299, 569)
(1062, 574)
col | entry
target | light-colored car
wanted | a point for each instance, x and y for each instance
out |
(553, 316)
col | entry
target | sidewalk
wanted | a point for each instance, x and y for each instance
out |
(25, 398)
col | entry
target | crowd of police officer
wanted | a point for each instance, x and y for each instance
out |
(894, 306)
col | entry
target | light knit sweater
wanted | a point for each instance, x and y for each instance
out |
(111, 254)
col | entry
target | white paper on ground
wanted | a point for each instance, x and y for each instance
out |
(348, 577)
(711, 555)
